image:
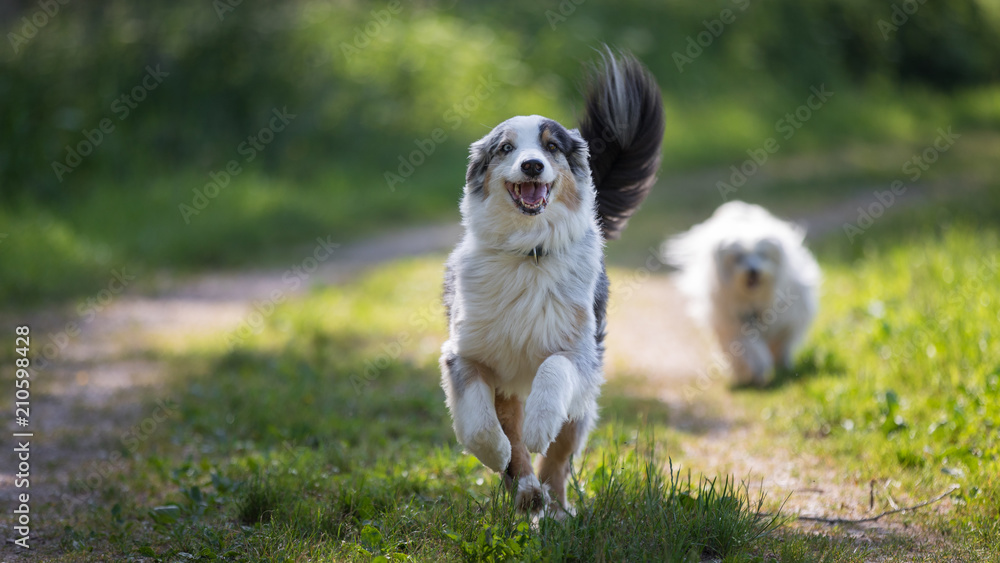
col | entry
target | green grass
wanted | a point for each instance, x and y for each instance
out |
(325, 437)
(64, 250)
(914, 394)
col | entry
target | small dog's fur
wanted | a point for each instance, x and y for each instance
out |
(749, 278)
(526, 288)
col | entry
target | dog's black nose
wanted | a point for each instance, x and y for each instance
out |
(753, 277)
(532, 167)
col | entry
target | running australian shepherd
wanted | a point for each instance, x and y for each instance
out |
(526, 288)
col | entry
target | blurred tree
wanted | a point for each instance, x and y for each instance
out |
(359, 73)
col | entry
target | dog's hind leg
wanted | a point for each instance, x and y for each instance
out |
(518, 477)
(470, 395)
(555, 466)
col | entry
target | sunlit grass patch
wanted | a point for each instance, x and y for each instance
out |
(638, 510)
(914, 395)
(325, 435)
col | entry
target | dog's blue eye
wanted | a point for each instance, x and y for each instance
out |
(506, 147)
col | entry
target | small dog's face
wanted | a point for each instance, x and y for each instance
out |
(528, 164)
(749, 267)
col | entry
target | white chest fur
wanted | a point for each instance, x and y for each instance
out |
(511, 312)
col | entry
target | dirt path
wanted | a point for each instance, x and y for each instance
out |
(656, 351)
(87, 395)
(82, 401)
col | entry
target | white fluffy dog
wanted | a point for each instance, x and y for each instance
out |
(526, 289)
(749, 278)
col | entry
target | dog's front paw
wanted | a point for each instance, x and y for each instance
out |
(754, 366)
(547, 406)
(490, 446)
(531, 495)
(541, 426)
(757, 375)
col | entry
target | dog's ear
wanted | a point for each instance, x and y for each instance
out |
(480, 153)
(579, 156)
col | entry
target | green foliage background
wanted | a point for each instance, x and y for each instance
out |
(366, 82)
(899, 380)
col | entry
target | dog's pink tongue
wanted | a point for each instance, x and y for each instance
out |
(533, 192)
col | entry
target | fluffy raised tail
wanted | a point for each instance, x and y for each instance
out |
(623, 127)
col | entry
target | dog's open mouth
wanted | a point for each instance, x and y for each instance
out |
(530, 197)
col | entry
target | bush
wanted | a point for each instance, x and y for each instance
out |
(356, 78)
